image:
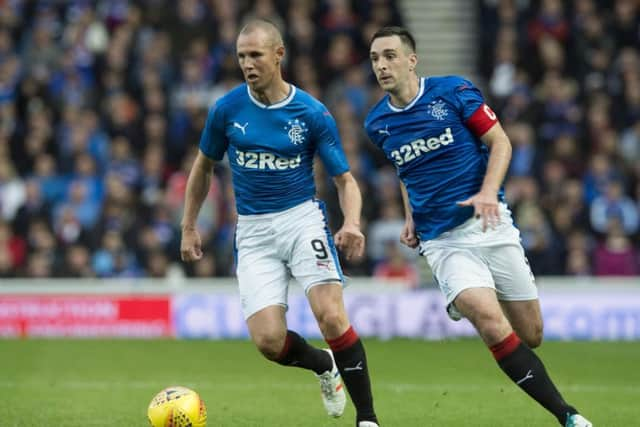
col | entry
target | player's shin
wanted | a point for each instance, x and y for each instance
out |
(297, 352)
(526, 369)
(351, 360)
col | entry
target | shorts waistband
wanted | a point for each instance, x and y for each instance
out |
(302, 207)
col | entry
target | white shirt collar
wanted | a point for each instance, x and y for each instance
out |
(292, 93)
(413, 101)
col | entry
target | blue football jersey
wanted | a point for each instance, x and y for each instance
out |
(271, 147)
(438, 157)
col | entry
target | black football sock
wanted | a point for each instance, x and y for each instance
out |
(297, 352)
(351, 360)
(525, 369)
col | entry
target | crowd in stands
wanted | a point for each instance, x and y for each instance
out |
(102, 104)
(564, 77)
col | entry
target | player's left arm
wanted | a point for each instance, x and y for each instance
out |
(485, 203)
(481, 121)
(349, 239)
(499, 158)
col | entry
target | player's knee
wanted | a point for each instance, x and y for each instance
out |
(270, 345)
(533, 338)
(331, 322)
(492, 327)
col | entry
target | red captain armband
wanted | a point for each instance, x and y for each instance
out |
(481, 120)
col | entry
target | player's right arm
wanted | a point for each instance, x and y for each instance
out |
(349, 238)
(408, 234)
(198, 186)
(213, 144)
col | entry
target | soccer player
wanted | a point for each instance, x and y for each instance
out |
(270, 131)
(451, 155)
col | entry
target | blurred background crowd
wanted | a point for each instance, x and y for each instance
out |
(102, 104)
(565, 79)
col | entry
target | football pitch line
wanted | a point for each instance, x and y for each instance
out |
(389, 386)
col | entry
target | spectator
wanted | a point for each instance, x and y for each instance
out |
(549, 21)
(385, 229)
(615, 206)
(157, 264)
(77, 262)
(395, 268)
(13, 249)
(112, 259)
(12, 191)
(34, 206)
(616, 256)
(525, 158)
(205, 267)
(39, 265)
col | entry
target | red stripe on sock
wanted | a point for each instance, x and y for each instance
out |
(285, 348)
(505, 347)
(344, 341)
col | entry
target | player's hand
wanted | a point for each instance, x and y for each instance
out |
(190, 245)
(408, 234)
(485, 206)
(350, 240)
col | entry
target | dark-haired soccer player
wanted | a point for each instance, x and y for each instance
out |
(451, 155)
(270, 131)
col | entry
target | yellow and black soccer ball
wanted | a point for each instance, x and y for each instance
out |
(177, 407)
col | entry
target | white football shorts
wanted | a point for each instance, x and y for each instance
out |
(466, 257)
(272, 248)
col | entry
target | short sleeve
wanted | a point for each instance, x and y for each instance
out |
(328, 145)
(213, 141)
(468, 98)
(476, 114)
(368, 128)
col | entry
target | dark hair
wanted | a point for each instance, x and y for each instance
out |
(405, 36)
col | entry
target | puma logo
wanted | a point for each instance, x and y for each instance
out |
(384, 131)
(526, 377)
(239, 126)
(358, 367)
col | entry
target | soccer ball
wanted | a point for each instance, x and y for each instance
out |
(177, 407)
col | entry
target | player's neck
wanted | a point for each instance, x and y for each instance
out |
(274, 93)
(405, 93)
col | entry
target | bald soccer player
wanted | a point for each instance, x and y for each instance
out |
(270, 131)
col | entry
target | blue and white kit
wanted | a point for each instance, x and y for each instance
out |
(282, 231)
(435, 144)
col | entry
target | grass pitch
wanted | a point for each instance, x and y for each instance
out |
(83, 383)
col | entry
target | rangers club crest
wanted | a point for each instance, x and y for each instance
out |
(296, 130)
(438, 109)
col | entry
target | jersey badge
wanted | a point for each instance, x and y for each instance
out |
(438, 109)
(296, 130)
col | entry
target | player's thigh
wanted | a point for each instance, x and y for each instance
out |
(456, 269)
(515, 285)
(263, 278)
(314, 258)
(483, 310)
(327, 303)
(510, 268)
(268, 329)
(526, 319)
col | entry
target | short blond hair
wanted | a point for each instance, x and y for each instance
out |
(270, 29)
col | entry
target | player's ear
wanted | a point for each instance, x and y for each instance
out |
(413, 61)
(279, 54)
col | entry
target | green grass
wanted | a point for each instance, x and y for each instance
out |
(454, 383)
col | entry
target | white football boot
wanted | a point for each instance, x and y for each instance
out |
(367, 424)
(577, 420)
(332, 390)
